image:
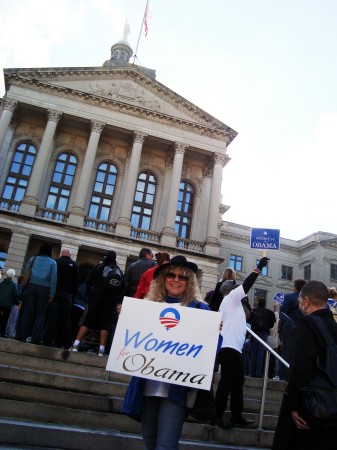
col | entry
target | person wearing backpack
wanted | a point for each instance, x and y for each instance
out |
(293, 431)
(262, 320)
(105, 283)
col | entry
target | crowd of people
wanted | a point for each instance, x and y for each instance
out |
(56, 304)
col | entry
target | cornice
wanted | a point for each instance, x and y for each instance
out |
(233, 237)
(289, 249)
(332, 243)
(209, 126)
(224, 234)
(309, 246)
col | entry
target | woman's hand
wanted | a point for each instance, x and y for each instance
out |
(300, 423)
(119, 308)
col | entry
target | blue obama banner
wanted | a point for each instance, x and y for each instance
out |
(265, 239)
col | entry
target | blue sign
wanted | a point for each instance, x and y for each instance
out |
(265, 239)
(278, 297)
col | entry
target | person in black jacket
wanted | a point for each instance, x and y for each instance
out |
(289, 317)
(136, 270)
(216, 299)
(58, 322)
(104, 294)
(263, 319)
(292, 431)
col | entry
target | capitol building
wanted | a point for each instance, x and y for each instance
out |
(107, 157)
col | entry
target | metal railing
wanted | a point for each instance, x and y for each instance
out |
(265, 375)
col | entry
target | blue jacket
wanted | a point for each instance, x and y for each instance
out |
(132, 404)
(43, 272)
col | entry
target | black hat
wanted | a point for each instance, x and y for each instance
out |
(177, 261)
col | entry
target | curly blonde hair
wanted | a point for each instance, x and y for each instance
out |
(158, 293)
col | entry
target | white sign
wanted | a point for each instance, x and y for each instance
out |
(165, 342)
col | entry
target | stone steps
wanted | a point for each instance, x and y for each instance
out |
(51, 392)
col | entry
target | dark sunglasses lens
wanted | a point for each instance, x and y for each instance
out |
(172, 276)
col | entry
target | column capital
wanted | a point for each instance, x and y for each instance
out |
(97, 126)
(221, 158)
(180, 148)
(13, 123)
(139, 137)
(10, 104)
(54, 115)
(207, 172)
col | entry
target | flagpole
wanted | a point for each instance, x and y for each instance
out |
(140, 32)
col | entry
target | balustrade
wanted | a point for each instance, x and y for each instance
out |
(9, 205)
(145, 235)
(52, 214)
(99, 225)
(187, 244)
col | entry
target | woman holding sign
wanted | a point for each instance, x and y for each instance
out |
(161, 407)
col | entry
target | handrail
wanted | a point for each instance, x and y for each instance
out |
(265, 375)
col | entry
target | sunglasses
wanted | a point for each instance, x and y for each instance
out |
(173, 276)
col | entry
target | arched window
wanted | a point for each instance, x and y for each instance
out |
(144, 200)
(19, 172)
(184, 210)
(101, 200)
(61, 183)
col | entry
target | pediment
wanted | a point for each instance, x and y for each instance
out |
(128, 91)
(122, 89)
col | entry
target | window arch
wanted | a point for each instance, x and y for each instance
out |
(62, 181)
(19, 172)
(102, 196)
(184, 214)
(142, 208)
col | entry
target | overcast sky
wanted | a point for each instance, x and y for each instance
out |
(266, 68)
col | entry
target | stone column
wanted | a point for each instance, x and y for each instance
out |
(17, 251)
(30, 201)
(212, 243)
(9, 106)
(169, 235)
(77, 213)
(123, 224)
(200, 225)
(7, 151)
